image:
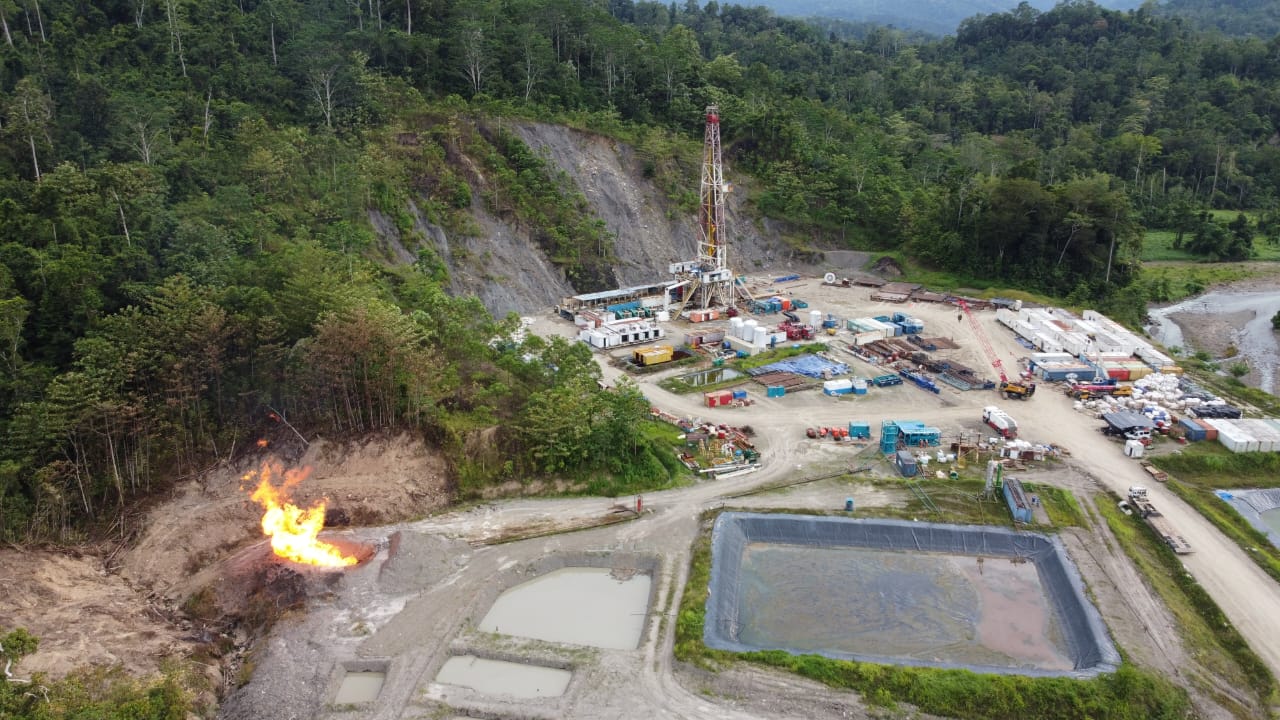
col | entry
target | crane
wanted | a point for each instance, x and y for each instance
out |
(1020, 390)
(982, 339)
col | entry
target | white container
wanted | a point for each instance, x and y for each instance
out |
(815, 318)
(665, 316)
(759, 335)
(1133, 448)
(735, 327)
(749, 330)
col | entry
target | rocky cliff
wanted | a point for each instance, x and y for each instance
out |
(506, 269)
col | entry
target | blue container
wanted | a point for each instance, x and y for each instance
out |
(775, 391)
(1194, 432)
(848, 504)
(739, 394)
(859, 430)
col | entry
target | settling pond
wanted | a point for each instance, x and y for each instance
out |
(499, 677)
(575, 605)
(988, 599)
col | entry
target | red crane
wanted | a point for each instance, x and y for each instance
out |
(982, 338)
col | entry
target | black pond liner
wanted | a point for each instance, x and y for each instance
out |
(1088, 644)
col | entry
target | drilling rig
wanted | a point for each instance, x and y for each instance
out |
(707, 282)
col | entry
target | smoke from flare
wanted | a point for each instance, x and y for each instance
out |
(293, 530)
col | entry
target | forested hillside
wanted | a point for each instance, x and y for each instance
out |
(187, 257)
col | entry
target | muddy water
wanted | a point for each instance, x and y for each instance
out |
(929, 607)
(1257, 341)
(708, 377)
(499, 677)
(581, 606)
(359, 687)
(1272, 519)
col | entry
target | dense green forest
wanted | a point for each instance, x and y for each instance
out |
(185, 188)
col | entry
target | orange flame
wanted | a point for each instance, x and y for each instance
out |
(293, 530)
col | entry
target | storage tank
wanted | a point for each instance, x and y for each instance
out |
(735, 327)
(815, 318)
(760, 335)
(749, 329)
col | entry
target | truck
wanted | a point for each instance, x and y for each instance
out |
(1084, 391)
(1140, 501)
(1000, 421)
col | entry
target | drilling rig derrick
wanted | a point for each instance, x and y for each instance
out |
(708, 281)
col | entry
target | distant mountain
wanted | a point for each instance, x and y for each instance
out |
(939, 17)
(1238, 18)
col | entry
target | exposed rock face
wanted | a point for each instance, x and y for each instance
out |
(508, 271)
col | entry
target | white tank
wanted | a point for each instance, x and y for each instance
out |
(815, 318)
(749, 329)
(735, 327)
(759, 335)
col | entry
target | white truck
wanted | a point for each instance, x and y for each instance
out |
(1000, 421)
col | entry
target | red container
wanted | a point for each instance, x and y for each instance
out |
(1210, 432)
(1118, 373)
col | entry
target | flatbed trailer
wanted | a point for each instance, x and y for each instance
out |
(1155, 472)
(1159, 524)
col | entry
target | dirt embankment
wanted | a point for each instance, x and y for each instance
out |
(87, 610)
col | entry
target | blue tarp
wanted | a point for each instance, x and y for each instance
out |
(807, 365)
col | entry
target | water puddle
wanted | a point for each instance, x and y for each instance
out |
(580, 606)
(359, 687)
(711, 376)
(929, 607)
(499, 677)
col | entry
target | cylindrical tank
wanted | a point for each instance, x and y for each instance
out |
(815, 318)
(760, 335)
(735, 327)
(749, 329)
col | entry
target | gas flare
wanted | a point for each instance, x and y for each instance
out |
(293, 530)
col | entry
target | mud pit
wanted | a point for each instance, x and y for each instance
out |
(576, 605)
(499, 677)
(988, 599)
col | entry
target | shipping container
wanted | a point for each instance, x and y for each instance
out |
(860, 430)
(1191, 429)
(906, 463)
(1210, 432)
(775, 391)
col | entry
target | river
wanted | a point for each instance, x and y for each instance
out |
(1256, 340)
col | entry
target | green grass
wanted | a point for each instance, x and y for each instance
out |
(1060, 505)
(1208, 635)
(1168, 281)
(1209, 465)
(1130, 692)
(1157, 245)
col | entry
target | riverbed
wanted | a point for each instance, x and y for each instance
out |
(1227, 319)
